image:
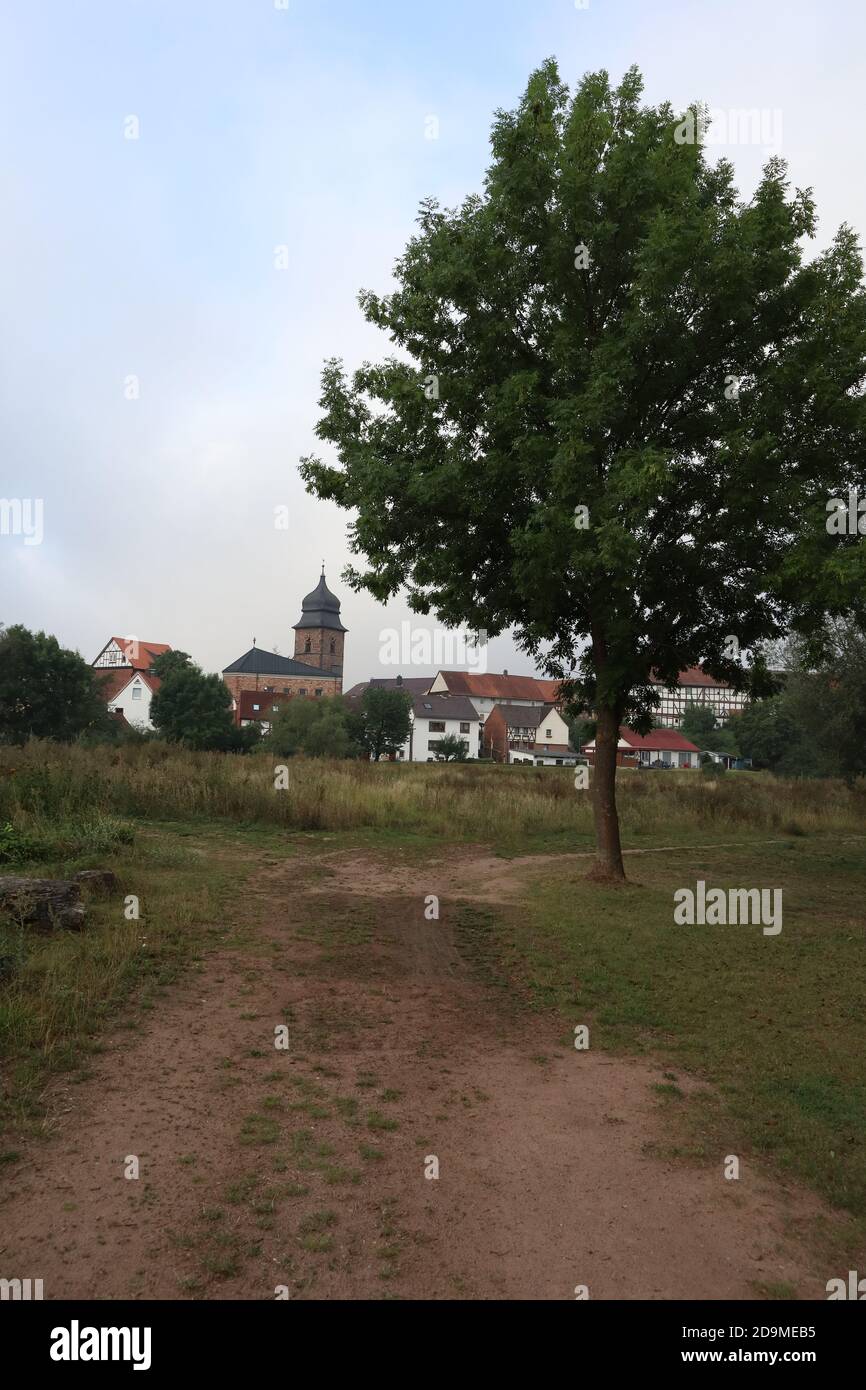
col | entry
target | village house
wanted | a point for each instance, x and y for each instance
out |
(487, 691)
(125, 679)
(658, 748)
(515, 733)
(696, 686)
(435, 717)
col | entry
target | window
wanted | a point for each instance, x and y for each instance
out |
(285, 690)
(436, 726)
(307, 645)
(318, 692)
(333, 646)
(548, 733)
(464, 728)
(302, 692)
(136, 692)
(256, 706)
(275, 708)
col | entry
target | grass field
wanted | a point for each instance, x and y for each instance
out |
(763, 1036)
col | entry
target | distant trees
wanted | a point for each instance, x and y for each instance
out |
(698, 723)
(323, 728)
(766, 732)
(193, 708)
(816, 726)
(375, 727)
(385, 720)
(46, 691)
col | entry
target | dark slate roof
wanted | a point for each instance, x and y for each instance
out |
(257, 662)
(413, 685)
(321, 608)
(522, 716)
(445, 707)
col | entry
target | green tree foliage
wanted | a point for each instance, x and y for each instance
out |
(609, 327)
(322, 728)
(46, 691)
(580, 731)
(452, 749)
(816, 727)
(698, 723)
(167, 662)
(386, 720)
(192, 708)
(766, 732)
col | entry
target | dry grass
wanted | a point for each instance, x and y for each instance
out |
(42, 785)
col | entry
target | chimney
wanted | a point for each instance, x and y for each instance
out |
(505, 673)
(399, 680)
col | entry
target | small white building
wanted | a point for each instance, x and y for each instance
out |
(124, 672)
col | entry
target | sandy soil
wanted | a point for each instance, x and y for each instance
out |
(547, 1174)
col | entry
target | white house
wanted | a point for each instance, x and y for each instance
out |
(124, 672)
(434, 717)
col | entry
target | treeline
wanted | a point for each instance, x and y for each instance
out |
(50, 692)
(813, 726)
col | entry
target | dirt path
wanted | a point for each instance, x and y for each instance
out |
(262, 1168)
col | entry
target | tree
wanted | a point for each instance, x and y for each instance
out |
(322, 728)
(46, 691)
(452, 749)
(825, 697)
(387, 721)
(766, 732)
(192, 708)
(580, 731)
(698, 723)
(167, 662)
(626, 402)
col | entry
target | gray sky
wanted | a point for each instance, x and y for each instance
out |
(304, 128)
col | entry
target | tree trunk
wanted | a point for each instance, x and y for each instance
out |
(608, 865)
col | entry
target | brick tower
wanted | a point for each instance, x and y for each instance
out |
(319, 634)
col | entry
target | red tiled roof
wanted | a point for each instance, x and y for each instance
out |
(656, 740)
(265, 699)
(501, 687)
(140, 655)
(692, 675)
(667, 739)
(117, 678)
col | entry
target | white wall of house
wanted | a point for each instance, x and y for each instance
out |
(424, 738)
(552, 729)
(134, 700)
(538, 758)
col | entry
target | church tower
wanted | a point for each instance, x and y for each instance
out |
(319, 634)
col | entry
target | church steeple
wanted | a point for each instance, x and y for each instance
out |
(319, 633)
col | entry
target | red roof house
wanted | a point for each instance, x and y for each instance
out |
(665, 746)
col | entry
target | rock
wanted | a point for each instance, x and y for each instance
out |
(43, 903)
(98, 880)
